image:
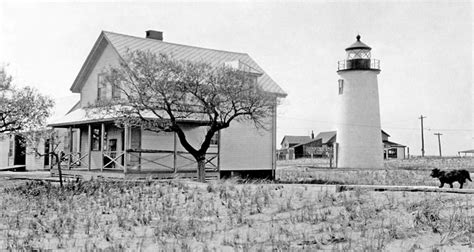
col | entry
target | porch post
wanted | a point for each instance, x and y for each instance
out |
(102, 133)
(273, 147)
(126, 143)
(89, 147)
(175, 154)
(51, 144)
(219, 154)
(50, 156)
(70, 148)
(140, 147)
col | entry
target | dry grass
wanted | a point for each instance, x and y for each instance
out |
(187, 216)
(414, 171)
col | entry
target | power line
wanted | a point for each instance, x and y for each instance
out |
(364, 125)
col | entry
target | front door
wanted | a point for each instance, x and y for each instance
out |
(20, 151)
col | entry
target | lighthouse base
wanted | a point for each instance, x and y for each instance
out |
(359, 157)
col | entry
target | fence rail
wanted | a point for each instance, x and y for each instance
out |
(139, 159)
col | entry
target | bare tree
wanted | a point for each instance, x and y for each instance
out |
(21, 109)
(159, 92)
(39, 137)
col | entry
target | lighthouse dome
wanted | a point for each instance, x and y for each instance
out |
(358, 45)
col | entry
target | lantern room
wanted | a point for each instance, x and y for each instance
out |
(358, 58)
(358, 50)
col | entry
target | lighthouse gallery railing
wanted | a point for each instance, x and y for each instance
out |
(361, 64)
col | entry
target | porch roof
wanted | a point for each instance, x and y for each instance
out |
(83, 116)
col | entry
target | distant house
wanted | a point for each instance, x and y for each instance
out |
(392, 150)
(290, 141)
(324, 142)
(98, 145)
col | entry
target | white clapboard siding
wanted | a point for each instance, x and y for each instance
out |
(89, 90)
(243, 147)
(32, 160)
(4, 147)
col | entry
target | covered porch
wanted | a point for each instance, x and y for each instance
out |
(99, 148)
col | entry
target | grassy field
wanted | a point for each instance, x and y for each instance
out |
(414, 171)
(229, 216)
(187, 216)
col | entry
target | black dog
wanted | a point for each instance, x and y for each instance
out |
(451, 177)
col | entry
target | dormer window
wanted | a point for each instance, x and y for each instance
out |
(215, 139)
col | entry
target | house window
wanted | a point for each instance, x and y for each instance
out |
(115, 91)
(392, 153)
(101, 87)
(341, 86)
(215, 139)
(95, 138)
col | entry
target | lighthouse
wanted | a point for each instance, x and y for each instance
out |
(359, 139)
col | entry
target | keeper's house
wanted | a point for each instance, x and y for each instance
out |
(97, 145)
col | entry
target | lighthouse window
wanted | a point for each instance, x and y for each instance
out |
(341, 86)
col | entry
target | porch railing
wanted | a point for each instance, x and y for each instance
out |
(113, 159)
(73, 160)
(139, 159)
(161, 159)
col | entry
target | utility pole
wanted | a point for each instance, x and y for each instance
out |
(422, 139)
(439, 141)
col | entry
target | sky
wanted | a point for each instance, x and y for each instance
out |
(425, 50)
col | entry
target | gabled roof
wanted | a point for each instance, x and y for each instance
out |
(122, 43)
(393, 144)
(326, 136)
(296, 139)
(307, 142)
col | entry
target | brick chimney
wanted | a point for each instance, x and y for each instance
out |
(151, 34)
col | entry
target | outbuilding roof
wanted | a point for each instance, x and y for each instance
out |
(296, 139)
(122, 43)
(326, 136)
(392, 144)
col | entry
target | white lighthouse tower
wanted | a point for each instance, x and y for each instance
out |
(359, 138)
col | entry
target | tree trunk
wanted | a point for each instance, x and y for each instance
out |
(201, 171)
(59, 169)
